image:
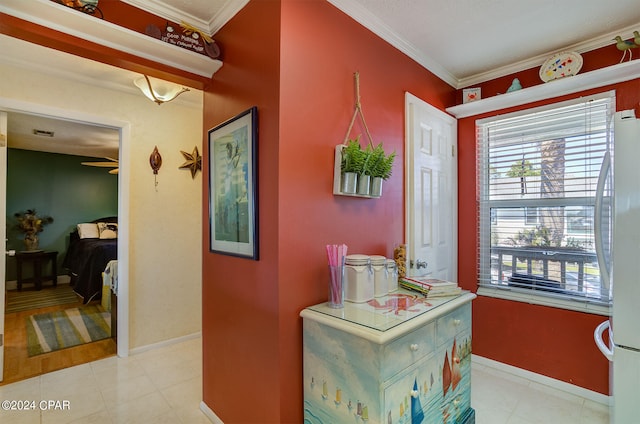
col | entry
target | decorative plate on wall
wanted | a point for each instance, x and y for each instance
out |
(561, 65)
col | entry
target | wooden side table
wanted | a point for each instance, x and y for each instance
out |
(38, 259)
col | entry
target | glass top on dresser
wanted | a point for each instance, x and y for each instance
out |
(386, 312)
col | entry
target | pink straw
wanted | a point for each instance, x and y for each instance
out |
(336, 253)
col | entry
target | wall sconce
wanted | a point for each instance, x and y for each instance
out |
(163, 92)
(155, 160)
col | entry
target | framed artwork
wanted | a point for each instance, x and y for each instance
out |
(233, 197)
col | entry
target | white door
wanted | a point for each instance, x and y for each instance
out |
(431, 191)
(3, 228)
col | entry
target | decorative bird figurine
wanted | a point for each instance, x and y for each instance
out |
(625, 46)
(636, 37)
(515, 85)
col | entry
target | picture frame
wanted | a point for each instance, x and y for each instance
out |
(233, 188)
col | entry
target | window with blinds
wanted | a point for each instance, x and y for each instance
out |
(538, 173)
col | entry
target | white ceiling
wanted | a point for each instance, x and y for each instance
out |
(469, 41)
(26, 132)
(464, 42)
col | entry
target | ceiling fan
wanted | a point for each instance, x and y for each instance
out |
(113, 163)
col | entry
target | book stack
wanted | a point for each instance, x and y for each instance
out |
(430, 287)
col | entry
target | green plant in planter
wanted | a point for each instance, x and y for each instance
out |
(380, 163)
(354, 159)
(367, 164)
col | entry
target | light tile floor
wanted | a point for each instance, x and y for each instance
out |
(158, 386)
(164, 386)
(502, 398)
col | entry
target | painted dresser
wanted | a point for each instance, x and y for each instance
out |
(398, 359)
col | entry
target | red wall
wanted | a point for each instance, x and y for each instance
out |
(295, 60)
(548, 341)
(240, 309)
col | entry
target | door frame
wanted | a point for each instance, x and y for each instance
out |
(3, 232)
(124, 129)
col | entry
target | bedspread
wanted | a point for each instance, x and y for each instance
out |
(86, 259)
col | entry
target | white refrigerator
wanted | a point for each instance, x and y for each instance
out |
(623, 349)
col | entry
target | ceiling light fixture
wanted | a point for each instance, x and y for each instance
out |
(162, 93)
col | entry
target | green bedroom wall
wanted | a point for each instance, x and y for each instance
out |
(59, 186)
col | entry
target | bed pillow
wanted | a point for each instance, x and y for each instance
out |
(88, 230)
(108, 230)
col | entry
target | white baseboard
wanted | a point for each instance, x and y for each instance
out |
(542, 379)
(164, 343)
(210, 414)
(62, 279)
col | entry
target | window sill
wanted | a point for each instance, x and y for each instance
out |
(551, 301)
(600, 77)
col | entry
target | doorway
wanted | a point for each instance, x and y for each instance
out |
(122, 129)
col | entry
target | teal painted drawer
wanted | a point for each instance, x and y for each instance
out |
(407, 350)
(452, 324)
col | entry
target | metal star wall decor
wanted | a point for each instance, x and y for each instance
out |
(193, 161)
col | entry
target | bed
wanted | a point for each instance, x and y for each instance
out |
(91, 247)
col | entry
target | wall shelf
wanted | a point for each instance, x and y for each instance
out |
(610, 75)
(69, 21)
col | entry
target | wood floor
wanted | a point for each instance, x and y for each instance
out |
(19, 366)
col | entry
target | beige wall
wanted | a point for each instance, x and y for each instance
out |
(165, 252)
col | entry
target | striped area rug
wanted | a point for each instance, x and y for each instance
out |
(70, 327)
(27, 299)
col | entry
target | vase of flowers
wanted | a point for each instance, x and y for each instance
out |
(31, 224)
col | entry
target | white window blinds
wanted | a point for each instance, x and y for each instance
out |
(538, 172)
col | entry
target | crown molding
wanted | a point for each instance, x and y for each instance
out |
(170, 13)
(162, 9)
(360, 14)
(224, 15)
(375, 25)
(621, 72)
(64, 19)
(537, 61)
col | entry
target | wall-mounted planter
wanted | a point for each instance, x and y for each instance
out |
(376, 187)
(347, 185)
(364, 185)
